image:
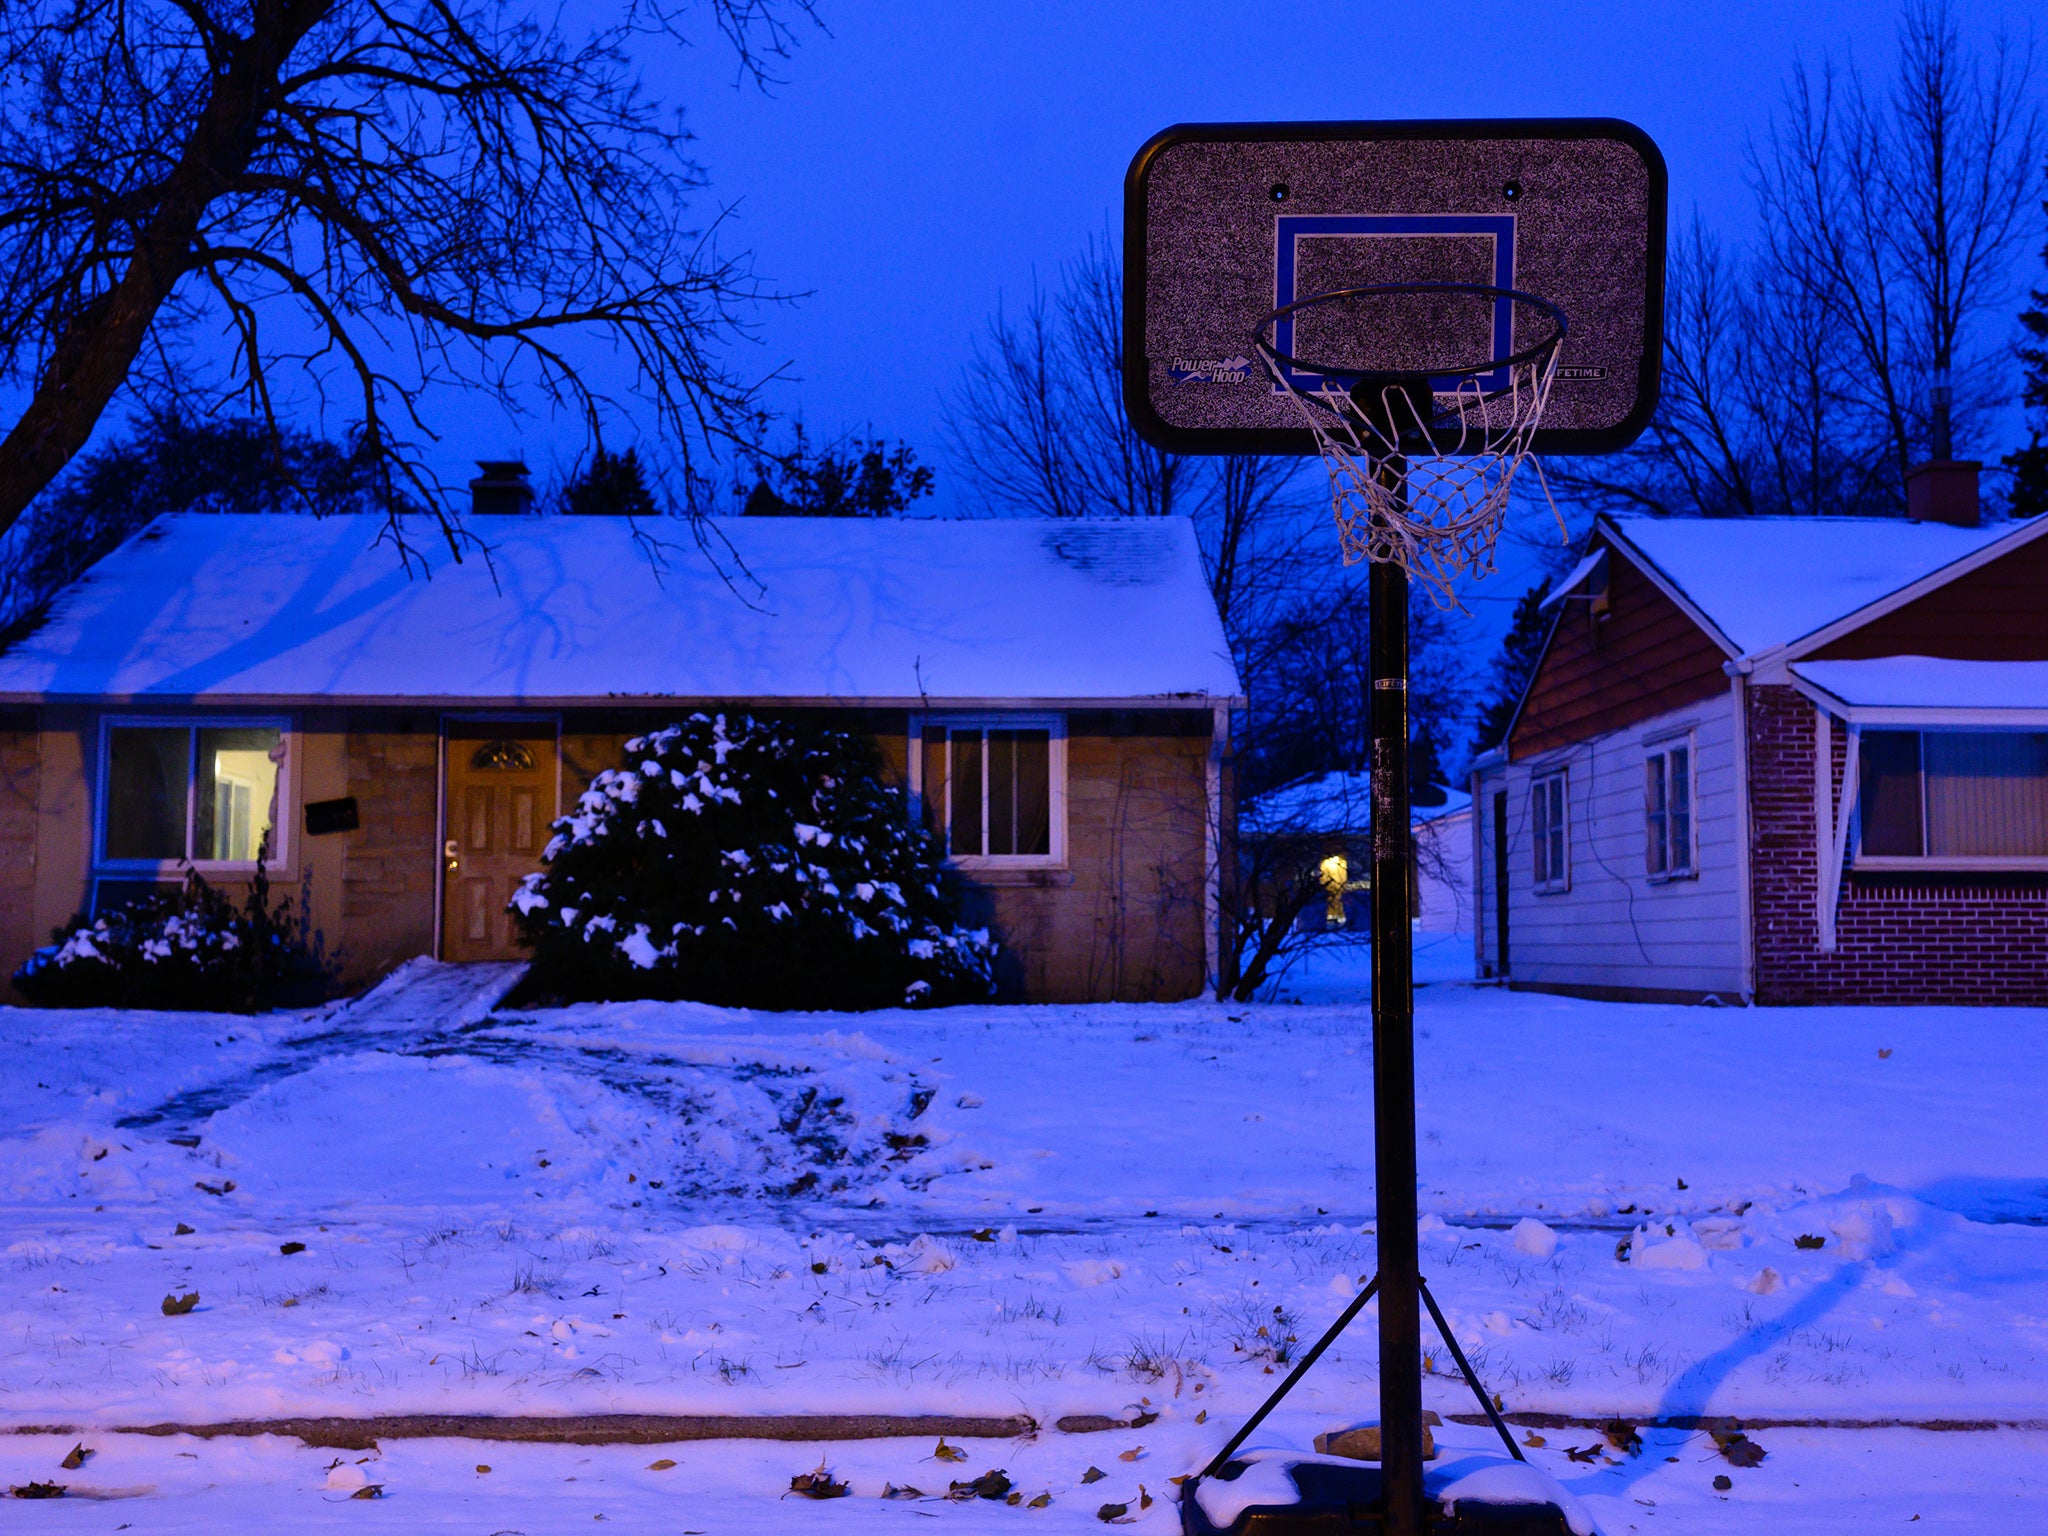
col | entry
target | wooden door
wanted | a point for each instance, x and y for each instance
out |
(502, 778)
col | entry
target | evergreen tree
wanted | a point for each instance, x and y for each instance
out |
(612, 484)
(1513, 665)
(2029, 465)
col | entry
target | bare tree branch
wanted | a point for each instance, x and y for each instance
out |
(452, 192)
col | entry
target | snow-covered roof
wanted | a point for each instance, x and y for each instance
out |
(1329, 804)
(1767, 581)
(1930, 683)
(572, 608)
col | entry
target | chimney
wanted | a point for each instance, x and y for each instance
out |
(1943, 491)
(502, 489)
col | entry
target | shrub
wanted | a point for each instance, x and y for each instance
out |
(190, 949)
(749, 863)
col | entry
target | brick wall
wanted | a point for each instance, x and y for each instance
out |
(1124, 921)
(20, 762)
(1913, 940)
(390, 863)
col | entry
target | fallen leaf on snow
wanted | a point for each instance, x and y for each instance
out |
(178, 1306)
(819, 1485)
(1109, 1513)
(660, 1466)
(947, 1452)
(990, 1485)
(1093, 1475)
(76, 1457)
(1135, 1453)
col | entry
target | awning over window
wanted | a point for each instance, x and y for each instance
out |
(1928, 690)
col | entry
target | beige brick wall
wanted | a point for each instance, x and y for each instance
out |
(391, 862)
(21, 758)
(1123, 921)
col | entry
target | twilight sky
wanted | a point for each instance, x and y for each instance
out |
(923, 159)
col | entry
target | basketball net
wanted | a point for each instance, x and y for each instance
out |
(1440, 519)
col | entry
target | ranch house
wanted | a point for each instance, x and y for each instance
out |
(1781, 761)
(1054, 696)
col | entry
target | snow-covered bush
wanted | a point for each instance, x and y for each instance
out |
(190, 949)
(752, 863)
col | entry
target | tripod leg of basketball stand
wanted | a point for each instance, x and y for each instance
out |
(1329, 1337)
(1471, 1376)
(1393, 1058)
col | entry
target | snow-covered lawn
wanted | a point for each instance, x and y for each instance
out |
(1827, 1214)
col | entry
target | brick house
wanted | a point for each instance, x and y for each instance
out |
(1782, 761)
(1055, 696)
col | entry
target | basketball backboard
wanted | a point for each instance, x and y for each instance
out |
(1225, 224)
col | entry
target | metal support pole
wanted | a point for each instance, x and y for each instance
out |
(1393, 1058)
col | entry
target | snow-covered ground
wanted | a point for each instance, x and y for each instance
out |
(1831, 1215)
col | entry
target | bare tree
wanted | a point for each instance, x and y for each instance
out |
(1899, 213)
(1037, 427)
(376, 197)
(1858, 334)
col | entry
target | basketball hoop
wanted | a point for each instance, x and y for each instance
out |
(1421, 459)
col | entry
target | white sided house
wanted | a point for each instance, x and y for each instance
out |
(1054, 695)
(1779, 760)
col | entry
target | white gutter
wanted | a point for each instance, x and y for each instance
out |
(1745, 898)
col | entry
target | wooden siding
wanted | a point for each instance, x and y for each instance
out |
(1615, 932)
(1998, 612)
(1602, 673)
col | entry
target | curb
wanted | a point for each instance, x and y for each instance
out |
(582, 1429)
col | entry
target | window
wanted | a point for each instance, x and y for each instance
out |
(197, 793)
(1667, 810)
(1547, 821)
(994, 789)
(1970, 797)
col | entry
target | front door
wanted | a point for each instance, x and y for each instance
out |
(502, 780)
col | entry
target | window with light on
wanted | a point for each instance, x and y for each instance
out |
(204, 794)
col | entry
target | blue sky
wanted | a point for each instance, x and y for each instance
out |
(921, 161)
